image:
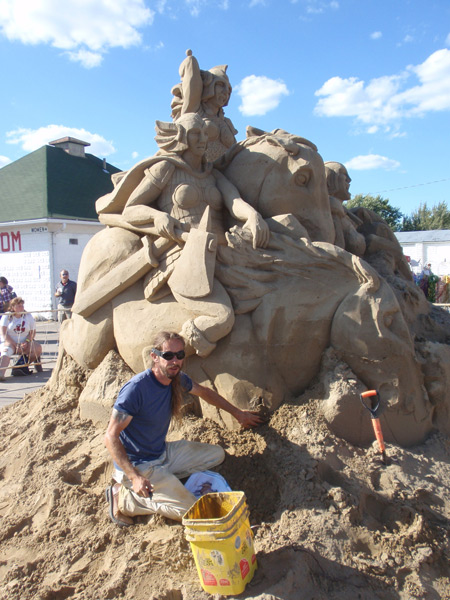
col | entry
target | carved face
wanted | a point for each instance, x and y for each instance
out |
(221, 94)
(371, 334)
(217, 92)
(197, 138)
(343, 184)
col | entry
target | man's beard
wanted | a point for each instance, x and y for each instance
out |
(170, 374)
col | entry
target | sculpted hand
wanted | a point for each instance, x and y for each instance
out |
(247, 419)
(260, 230)
(142, 486)
(165, 226)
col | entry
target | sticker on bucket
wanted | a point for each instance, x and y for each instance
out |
(208, 578)
(218, 557)
(245, 568)
(224, 582)
(237, 542)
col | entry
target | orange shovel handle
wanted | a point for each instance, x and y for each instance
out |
(378, 434)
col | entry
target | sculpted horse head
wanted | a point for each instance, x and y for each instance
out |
(280, 173)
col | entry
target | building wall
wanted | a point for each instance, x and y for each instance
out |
(33, 254)
(68, 249)
(422, 253)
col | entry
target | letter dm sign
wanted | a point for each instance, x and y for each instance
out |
(25, 262)
(10, 241)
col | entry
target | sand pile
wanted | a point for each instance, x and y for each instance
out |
(330, 520)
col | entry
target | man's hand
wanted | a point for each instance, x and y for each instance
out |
(142, 486)
(247, 418)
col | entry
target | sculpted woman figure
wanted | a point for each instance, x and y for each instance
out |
(205, 93)
(172, 191)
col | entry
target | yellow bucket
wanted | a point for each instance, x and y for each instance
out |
(218, 530)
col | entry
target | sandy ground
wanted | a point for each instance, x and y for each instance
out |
(330, 521)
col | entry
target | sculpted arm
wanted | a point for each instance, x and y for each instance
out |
(139, 210)
(118, 422)
(192, 84)
(242, 211)
(245, 417)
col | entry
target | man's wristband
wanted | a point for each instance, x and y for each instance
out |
(28, 340)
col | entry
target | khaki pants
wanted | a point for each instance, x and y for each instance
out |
(64, 312)
(170, 498)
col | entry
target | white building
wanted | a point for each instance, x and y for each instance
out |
(427, 247)
(47, 216)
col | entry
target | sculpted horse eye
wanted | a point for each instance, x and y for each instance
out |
(302, 177)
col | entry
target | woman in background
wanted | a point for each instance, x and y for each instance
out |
(17, 332)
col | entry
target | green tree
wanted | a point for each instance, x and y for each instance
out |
(381, 206)
(424, 218)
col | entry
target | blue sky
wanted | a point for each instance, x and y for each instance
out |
(368, 81)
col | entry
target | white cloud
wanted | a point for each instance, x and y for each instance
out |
(257, 2)
(317, 7)
(383, 102)
(86, 29)
(376, 35)
(433, 91)
(134, 155)
(194, 6)
(371, 161)
(4, 160)
(447, 40)
(87, 58)
(32, 139)
(161, 5)
(260, 94)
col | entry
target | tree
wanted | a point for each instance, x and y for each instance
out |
(424, 218)
(381, 206)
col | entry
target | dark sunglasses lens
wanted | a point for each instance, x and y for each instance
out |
(169, 355)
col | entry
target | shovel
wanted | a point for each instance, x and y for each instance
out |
(371, 401)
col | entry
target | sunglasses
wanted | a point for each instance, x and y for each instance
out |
(169, 355)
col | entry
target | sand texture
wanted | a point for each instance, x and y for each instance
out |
(330, 520)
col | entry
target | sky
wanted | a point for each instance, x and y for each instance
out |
(368, 81)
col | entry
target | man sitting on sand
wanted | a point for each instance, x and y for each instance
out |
(147, 468)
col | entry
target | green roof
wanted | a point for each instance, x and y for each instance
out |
(50, 183)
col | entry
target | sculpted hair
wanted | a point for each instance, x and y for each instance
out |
(177, 392)
(173, 137)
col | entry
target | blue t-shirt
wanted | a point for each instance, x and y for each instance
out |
(149, 403)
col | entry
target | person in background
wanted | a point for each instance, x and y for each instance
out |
(65, 291)
(17, 331)
(6, 294)
(427, 270)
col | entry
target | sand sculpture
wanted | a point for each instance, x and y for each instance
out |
(257, 262)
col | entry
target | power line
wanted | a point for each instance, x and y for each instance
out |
(407, 187)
